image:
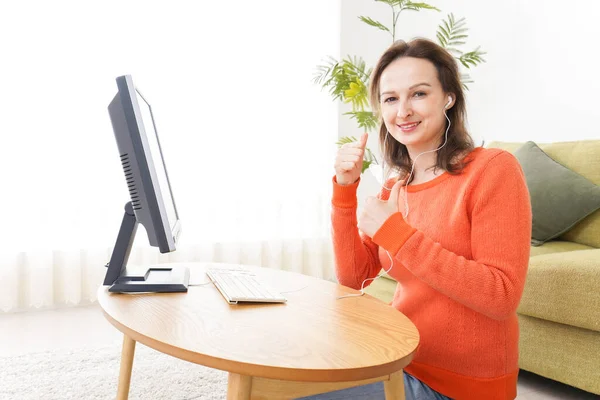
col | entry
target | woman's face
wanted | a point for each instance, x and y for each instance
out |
(412, 103)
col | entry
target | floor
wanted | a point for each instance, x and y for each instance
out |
(71, 328)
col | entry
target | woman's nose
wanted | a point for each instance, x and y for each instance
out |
(404, 109)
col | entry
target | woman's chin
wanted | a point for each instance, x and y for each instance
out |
(413, 139)
(407, 139)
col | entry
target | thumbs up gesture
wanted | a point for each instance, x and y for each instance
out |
(375, 211)
(349, 161)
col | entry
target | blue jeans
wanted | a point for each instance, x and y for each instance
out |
(414, 389)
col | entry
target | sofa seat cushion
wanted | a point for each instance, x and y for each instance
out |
(564, 287)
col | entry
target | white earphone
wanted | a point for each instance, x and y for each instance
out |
(449, 102)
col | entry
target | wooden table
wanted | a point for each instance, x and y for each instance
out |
(312, 344)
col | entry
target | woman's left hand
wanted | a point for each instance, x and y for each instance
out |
(376, 211)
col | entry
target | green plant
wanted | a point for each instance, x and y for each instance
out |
(348, 79)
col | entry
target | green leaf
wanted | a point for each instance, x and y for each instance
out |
(365, 166)
(331, 76)
(444, 32)
(369, 156)
(452, 32)
(323, 72)
(448, 27)
(472, 58)
(346, 139)
(346, 80)
(352, 82)
(441, 39)
(409, 5)
(374, 23)
(458, 31)
(365, 119)
(368, 159)
(357, 94)
(358, 66)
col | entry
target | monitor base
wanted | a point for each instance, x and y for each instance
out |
(155, 280)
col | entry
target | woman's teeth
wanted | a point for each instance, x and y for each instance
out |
(408, 127)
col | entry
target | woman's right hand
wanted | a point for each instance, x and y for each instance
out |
(349, 161)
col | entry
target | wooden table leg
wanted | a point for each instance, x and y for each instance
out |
(239, 387)
(126, 366)
(394, 388)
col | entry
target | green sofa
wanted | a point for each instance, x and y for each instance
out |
(559, 313)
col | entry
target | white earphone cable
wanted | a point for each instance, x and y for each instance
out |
(362, 287)
(405, 195)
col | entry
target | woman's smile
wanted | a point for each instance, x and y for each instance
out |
(409, 126)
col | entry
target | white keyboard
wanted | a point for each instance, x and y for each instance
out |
(239, 285)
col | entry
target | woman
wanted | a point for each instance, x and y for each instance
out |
(454, 231)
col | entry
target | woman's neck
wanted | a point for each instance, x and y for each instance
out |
(426, 175)
(424, 167)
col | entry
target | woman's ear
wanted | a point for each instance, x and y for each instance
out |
(450, 102)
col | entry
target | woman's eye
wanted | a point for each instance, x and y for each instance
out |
(419, 94)
(389, 99)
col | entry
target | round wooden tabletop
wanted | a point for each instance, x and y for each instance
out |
(314, 337)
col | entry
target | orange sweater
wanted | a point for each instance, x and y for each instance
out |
(460, 260)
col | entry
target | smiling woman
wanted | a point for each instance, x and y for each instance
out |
(460, 256)
(229, 83)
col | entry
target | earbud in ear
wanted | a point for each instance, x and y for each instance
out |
(449, 102)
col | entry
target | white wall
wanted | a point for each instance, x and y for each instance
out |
(240, 122)
(541, 79)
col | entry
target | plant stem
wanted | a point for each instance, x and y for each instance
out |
(394, 19)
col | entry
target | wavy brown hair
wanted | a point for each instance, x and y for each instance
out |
(459, 141)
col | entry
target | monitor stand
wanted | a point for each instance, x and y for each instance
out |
(154, 280)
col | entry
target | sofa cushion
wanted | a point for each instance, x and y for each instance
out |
(582, 157)
(560, 198)
(564, 288)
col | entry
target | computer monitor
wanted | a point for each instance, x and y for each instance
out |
(152, 203)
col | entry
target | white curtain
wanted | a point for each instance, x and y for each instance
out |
(248, 139)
